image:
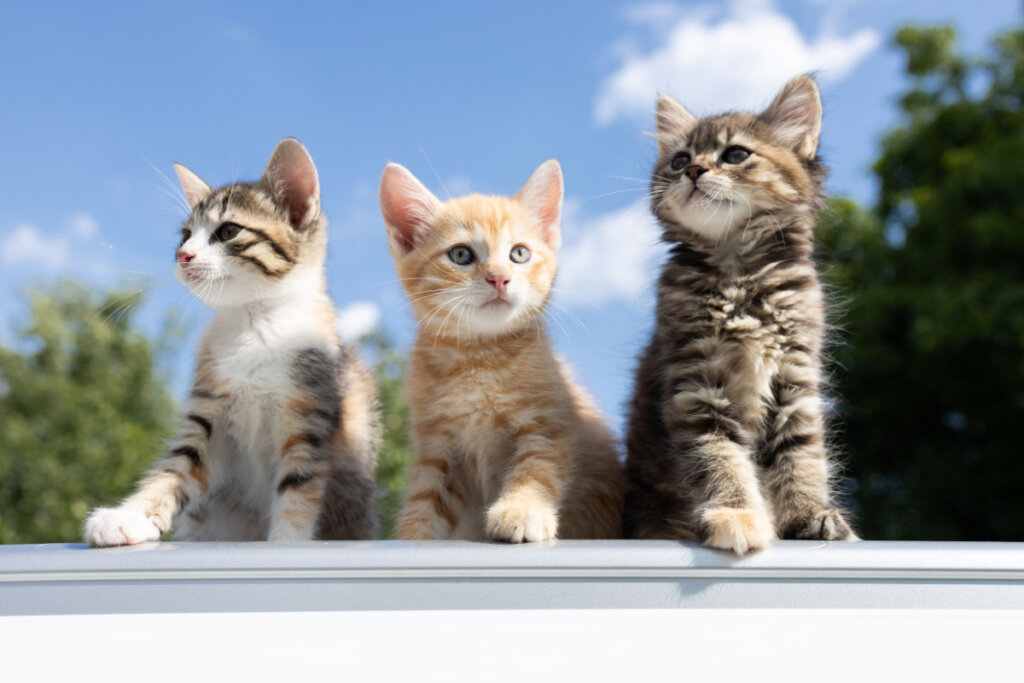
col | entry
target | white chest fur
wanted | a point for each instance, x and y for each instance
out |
(253, 350)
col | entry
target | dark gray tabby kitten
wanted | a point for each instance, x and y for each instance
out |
(726, 435)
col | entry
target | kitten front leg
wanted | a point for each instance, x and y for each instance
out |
(717, 470)
(527, 507)
(304, 467)
(796, 463)
(178, 477)
(432, 505)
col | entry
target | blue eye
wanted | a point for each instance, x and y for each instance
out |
(520, 254)
(461, 255)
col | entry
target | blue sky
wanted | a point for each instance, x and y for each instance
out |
(96, 102)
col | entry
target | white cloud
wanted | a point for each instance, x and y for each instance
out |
(357, 320)
(27, 246)
(83, 225)
(715, 61)
(614, 256)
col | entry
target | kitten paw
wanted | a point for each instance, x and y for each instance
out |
(737, 529)
(120, 526)
(824, 524)
(519, 521)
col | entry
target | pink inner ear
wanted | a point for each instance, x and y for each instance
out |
(672, 122)
(298, 190)
(405, 204)
(796, 115)
(550, 204)
(293, 180)
(542, 197)
(192, 185)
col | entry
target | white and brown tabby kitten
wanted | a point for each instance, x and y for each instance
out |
(280, 431)
(726, 436)
(507, 447)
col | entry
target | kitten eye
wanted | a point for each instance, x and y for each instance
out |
(226, 231)
(185, 234)
(735, 154)
(680, 161)
(520, 254)
(461, 255)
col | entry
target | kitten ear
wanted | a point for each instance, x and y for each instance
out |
(292, 180)
(406, 205)
(672, 122)
(795, 114)
(193, 186)
(542, 197)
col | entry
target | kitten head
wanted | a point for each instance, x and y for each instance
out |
(250, 241)
(714, 174)
(474, 267)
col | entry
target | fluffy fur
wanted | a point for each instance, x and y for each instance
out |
(726, 439)
(506, 446)
(279, 436)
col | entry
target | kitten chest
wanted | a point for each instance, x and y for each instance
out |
(750, 328)
(481, 405)
(254, 361)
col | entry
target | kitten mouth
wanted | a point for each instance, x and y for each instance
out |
(196, 276)
(496, 301)
(697, 195)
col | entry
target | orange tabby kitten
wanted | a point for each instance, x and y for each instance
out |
(507, 447)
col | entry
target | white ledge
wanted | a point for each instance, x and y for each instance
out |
(392, 575)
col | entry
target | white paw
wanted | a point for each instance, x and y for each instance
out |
(120, 526)
(521, 521)
(737, 529)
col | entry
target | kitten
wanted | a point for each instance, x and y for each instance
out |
(280, 431)
(506, 446)
(726, 439)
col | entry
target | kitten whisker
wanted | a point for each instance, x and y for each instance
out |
(176, 192)
(613, 192)
(437, 175)
(444, 323)
(550, 317)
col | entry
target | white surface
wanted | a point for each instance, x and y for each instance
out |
(518, 645)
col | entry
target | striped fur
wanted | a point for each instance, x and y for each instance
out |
(279, 434)
(726, 439)
(507, 447)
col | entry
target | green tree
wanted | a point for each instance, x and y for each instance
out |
(83, 411)
(931, 374)
(395, 452)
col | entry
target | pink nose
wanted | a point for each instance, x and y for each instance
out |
(499, 280)
(185, 256)
(695, 171)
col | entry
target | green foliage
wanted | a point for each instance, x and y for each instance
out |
(395, 452)
(82, 412)
(932, 372)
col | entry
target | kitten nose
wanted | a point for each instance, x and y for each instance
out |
(185, 256)
(499, 280)
(695, 171)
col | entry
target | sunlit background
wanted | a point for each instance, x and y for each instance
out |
(98, 99)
